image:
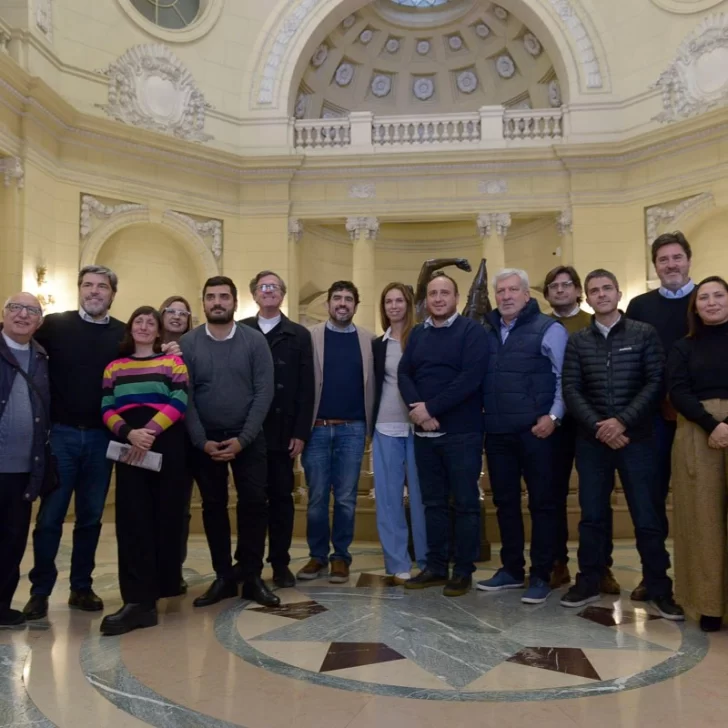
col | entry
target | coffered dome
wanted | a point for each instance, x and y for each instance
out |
(427, 56)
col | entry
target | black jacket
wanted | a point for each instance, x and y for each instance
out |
(620, 376)
(291, 412)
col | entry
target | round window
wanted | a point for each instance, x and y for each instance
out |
(170, 14)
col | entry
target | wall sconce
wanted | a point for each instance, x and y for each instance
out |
(45, 297)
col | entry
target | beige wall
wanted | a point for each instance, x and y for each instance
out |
(709, 241)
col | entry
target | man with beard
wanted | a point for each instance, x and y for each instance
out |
(231, 389)
(80, 343)
(343, 409)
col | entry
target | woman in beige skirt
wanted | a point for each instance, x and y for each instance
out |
(697, 373)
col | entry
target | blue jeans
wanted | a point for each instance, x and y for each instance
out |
(394, 458)
(84, 472)
(635, 464)
(449, 468)
(332, 461)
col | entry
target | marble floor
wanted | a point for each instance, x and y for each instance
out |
(360, 655)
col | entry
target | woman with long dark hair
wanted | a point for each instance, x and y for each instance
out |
(144, 402)
(393, 443)
(698, 384)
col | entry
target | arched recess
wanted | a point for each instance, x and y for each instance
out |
(707, 231)
(294, 29)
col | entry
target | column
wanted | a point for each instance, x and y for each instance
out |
(12, 226)
(565, 226)
(363, 233)
(293, 297)
(493, 227)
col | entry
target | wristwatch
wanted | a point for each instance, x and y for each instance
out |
(555, 420)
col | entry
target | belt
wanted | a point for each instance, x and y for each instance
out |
(326, 423)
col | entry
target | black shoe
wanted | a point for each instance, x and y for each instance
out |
(217, 591)
(36, 608)
(425, 579)
(256, 590)
(128, 618)
(11, 618)
(710, 624)
(668, 609)
(639, 593)
(86, 601)
(283, 577)
(457, 586)
(580, 594)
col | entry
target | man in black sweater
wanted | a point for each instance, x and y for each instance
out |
(666, 308)
(80, 343)
(439, 377)
(613, 379)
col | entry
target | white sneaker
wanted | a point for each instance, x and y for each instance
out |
(402, 577)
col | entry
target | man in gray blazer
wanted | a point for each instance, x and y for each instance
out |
(343, 405)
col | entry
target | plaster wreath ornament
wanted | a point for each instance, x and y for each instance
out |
(320, 56)
(366, 36)
(500, 13)
(392, 45)
(91, 207)
(532, 44)
(697, 79)
(349, 21)
(381, 85)
(467, 82)
(423, 47)
(482, 30)
(554, 94)
(505, 66)
(455, 42)
(344, 74)
(423, 88)
(151, 88)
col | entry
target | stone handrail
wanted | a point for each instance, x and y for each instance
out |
(322, 133)
(533, 124)
(429, 129)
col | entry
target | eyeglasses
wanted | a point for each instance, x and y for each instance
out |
(558, 285)
(18, 307)
(268, 287)
(177, 312)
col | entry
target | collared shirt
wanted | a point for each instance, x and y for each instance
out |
(553, 347)
(90, 319)
(12, 344)
(685, 290)
(604, 330)
(268, 324)
(350, 329)
(429, 322)
(571, 313)
(227, 338)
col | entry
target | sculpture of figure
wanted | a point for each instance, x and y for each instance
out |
(428, 268)
(478, 306)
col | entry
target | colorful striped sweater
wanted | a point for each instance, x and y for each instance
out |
(159, 382)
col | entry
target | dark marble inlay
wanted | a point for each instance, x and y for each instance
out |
(297, 610)
(357, 654)
(613, 617)
(568, 660)
(375, 580)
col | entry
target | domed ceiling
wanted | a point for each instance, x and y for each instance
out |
(427, 56)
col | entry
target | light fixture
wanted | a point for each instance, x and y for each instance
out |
(44, 296)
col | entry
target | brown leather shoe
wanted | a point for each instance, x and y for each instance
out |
(639, 593)
(560, 575)
(608, 584)
(339, 572)
(312, 570)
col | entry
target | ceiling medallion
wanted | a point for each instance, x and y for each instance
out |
(381, 85)
(467, 82)
(344, 74)
(505, 66)
(455, 42)
(348, 22)
(423, 47)
(531, 44)
(392, 45)
(321, 54)
(500, 13)
(366, 36)
(482, 30)
(423, 88)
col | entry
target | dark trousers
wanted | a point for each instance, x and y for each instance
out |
(249, 470)
(449, 469)
(84, 473)
(14, 527)
(280, 507)
(664, 437)
(635, 463)
(186, 487)
(511, 456)
(564, 453)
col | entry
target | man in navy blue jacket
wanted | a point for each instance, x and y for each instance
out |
(440, 378)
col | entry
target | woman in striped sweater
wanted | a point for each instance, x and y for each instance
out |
(144, 402)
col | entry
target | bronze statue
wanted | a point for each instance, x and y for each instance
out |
(429, 267)
(478, 306)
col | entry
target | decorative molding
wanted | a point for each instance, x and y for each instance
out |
(493, 186)
(467, 81)
(423, 47)
(423, 88)
(696, 80)
(686, 7)
(490, 223)
(44, 17)
(366, 228)
(295, 229)
(392, 45)
(4, 40)
(381, 85)
(565, 222)
(659, 215)
(363, 191)
(92, 208)
(344, 74)
(455, 42)
(365, 37)
(12, 169)
(482, 30)
(150, 87)
(205, 229)
(554, 94)
(500, 13)
(505, 66)
(320, 56)
(532, 44)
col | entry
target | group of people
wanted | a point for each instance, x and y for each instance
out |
(539, 392)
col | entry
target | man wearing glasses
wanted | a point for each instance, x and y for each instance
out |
(288, 424)
(562, 289)
(24, 408)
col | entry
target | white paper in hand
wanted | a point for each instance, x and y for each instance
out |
(119, 452)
